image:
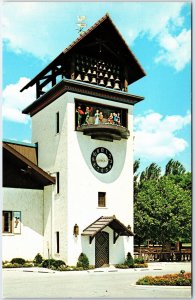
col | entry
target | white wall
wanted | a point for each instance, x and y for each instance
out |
(69, 153)
(30, 241)
(84, 183)
(52, 157)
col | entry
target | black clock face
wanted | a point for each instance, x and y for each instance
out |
(102, 160)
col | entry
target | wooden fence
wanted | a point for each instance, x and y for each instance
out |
(156, 254)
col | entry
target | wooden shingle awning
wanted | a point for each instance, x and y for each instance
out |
(97, 226)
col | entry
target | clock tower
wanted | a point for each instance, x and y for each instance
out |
(82, 122)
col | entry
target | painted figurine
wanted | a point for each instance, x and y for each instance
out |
(87, 112)
(97, 114)
(115, 118)
(80, 114)
(101, 117)
(110, 119)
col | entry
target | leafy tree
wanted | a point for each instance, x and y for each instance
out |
(151, 172)
(174, 167)
(183, 180)
(162, 211)
(136, 165)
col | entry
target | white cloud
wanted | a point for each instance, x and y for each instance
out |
(45, 29)
(164, 24)
(41, 29)
(176, 50)
(14, 101)
(156, 136)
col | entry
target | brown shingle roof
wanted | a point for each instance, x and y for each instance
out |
(28, 166)
(103, 222)
(104, 22)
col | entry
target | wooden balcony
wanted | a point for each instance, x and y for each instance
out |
(105, 132)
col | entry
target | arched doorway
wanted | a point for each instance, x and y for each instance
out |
(101, 249)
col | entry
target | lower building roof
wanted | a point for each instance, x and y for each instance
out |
(20, 172)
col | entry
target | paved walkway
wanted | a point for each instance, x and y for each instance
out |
(98, 283)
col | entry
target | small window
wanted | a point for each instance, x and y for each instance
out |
(57, 122)
(57, 182)
(7, 222)
(57, 242)
(101, 199)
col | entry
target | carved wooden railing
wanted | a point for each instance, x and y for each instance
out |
(159, 255)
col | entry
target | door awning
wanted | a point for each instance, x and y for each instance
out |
(97, 226)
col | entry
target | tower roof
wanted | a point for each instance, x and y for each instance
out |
(102, 40)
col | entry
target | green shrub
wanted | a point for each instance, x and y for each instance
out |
(18, 260)
(142, 265)
(28, 265)
(79, 269)
(91, 267)
(83, 261)
(59, 263)
(14, 265)
(48, 263)
(139, 260)
(121, 266)
(129, 260)
(53, 263)
(38, 259)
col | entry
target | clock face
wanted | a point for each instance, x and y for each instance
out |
(102, 160)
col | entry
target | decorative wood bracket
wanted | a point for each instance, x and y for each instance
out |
(91, 239)
(115, 236)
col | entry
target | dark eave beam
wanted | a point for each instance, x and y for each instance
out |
(91, 239)
(115, 236)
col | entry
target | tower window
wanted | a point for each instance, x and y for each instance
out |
(57, 242)
(57, 182)
(57, 122)
(101, 199)
(7, 222)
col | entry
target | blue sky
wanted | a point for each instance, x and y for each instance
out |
(158, 33)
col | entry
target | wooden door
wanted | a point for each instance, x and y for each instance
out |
(101, 249)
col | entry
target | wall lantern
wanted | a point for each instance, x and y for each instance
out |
(76, 230)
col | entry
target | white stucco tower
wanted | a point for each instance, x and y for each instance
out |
(83, 126)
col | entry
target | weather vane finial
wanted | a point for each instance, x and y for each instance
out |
(80, 23)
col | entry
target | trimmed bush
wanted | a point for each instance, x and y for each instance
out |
(38, 259)
(28, 265)
(62, 268)
(83, 261)
(18, 260)
(10, 265)
(129, 260)
(142, 265)
(169, 279)
(53, 263)
(121, 266)
(139, 260)
(59, 263)
(48, 263)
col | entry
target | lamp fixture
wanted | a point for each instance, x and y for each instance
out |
(76, 230)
